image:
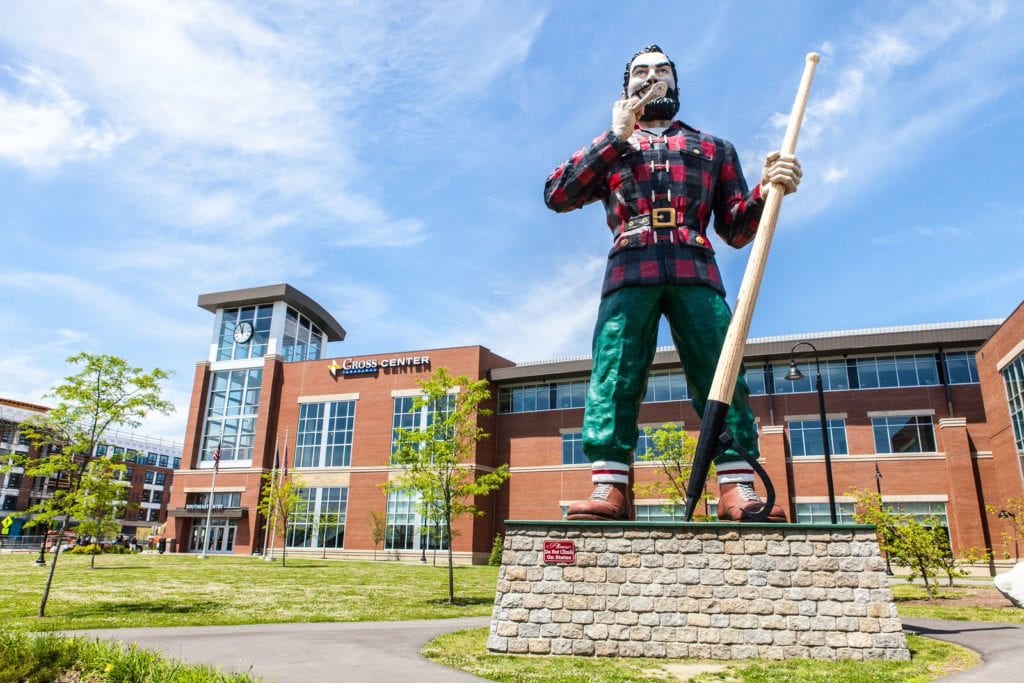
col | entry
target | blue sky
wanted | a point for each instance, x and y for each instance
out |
(388, 158)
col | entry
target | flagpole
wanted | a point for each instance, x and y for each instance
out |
(270, 507)
(276, 490)
(209, 503)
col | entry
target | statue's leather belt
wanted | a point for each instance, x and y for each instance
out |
(663, 218)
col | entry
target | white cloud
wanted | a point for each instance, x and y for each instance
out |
(42, 126)
(834, 175)
(553, 317)
(239, 108)
(882, 93)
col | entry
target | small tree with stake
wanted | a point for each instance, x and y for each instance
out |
(435, 458)
(672, 449)
(106, 392)
(908, 542)
(281, 500)
(378, 529)
(101, 501)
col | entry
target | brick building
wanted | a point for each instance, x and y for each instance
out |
(910, 411)
(150, 464)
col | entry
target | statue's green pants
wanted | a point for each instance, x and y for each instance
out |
(625, 338)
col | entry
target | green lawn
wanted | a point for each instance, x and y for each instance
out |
(956, 603)
(467, 651)
(181, 590)
(129, 591)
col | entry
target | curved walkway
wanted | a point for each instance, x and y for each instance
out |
(379, 651)
(388, 651)
(1001, 646)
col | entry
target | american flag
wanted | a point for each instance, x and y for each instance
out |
(216, 459)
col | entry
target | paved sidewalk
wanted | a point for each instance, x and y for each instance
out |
(381, 652)
(1001, 646)
(386, 652)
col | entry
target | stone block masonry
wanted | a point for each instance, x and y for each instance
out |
(714, 591)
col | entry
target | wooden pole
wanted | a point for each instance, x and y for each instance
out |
(724, 383)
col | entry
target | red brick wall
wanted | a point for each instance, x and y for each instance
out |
(277, 424)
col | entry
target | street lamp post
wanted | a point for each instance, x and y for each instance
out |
(878, 487)
(795, 375)
(41, 560)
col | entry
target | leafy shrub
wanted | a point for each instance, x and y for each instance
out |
(41, 658)
(496, 551)
(98, 549)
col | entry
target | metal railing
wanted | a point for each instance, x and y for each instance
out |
(23, 542)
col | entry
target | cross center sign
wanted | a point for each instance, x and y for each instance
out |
(559, 552)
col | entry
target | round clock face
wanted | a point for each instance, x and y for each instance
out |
(243, 332)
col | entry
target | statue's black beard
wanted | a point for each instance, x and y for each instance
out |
(662, 108)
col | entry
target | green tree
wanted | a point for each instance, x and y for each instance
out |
(282, 499)
(1012, 513)
(101, 501)
(672, 449)
(106, 392)
(436, 460)
(908, 542)
(378, 529)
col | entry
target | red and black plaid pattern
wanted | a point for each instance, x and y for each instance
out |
(683, 169)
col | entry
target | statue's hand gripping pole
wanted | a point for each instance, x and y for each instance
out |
(712, 425)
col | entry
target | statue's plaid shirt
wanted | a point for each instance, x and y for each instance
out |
(683, 169)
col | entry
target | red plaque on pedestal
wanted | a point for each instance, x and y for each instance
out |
(559, 552)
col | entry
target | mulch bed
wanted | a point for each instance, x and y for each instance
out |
(966, 596)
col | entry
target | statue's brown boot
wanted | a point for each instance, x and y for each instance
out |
(737, 501)
(608, 502)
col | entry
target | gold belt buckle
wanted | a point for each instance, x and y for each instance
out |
(663, 217)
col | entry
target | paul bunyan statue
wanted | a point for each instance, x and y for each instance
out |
(660, 182)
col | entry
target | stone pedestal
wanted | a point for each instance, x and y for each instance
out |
(720, 591)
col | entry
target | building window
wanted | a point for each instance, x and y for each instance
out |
(320, 520)
(325, 431)
(805, 437)
(756, 379)
(302, 339)
(834, 377)
(221, 501)
(659, 513)
(537, 397)
(231, 414)
(176, 464)
(921, 511)
(163, 461)
(897, 371)
(9, 433)
(405, 418)
(666, 386)
(151, 458)
(161, 477)
(256, 345)
(149, 477)
(570, 395)
(904, 434)
(1013, 377)
(644, 443)
(817, 513)
(13, 480)
(9, 503)
(961, 368)
(572, 449)
(408, 528)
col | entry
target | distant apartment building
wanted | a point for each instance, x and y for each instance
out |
(150, 464)
(930, 415)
